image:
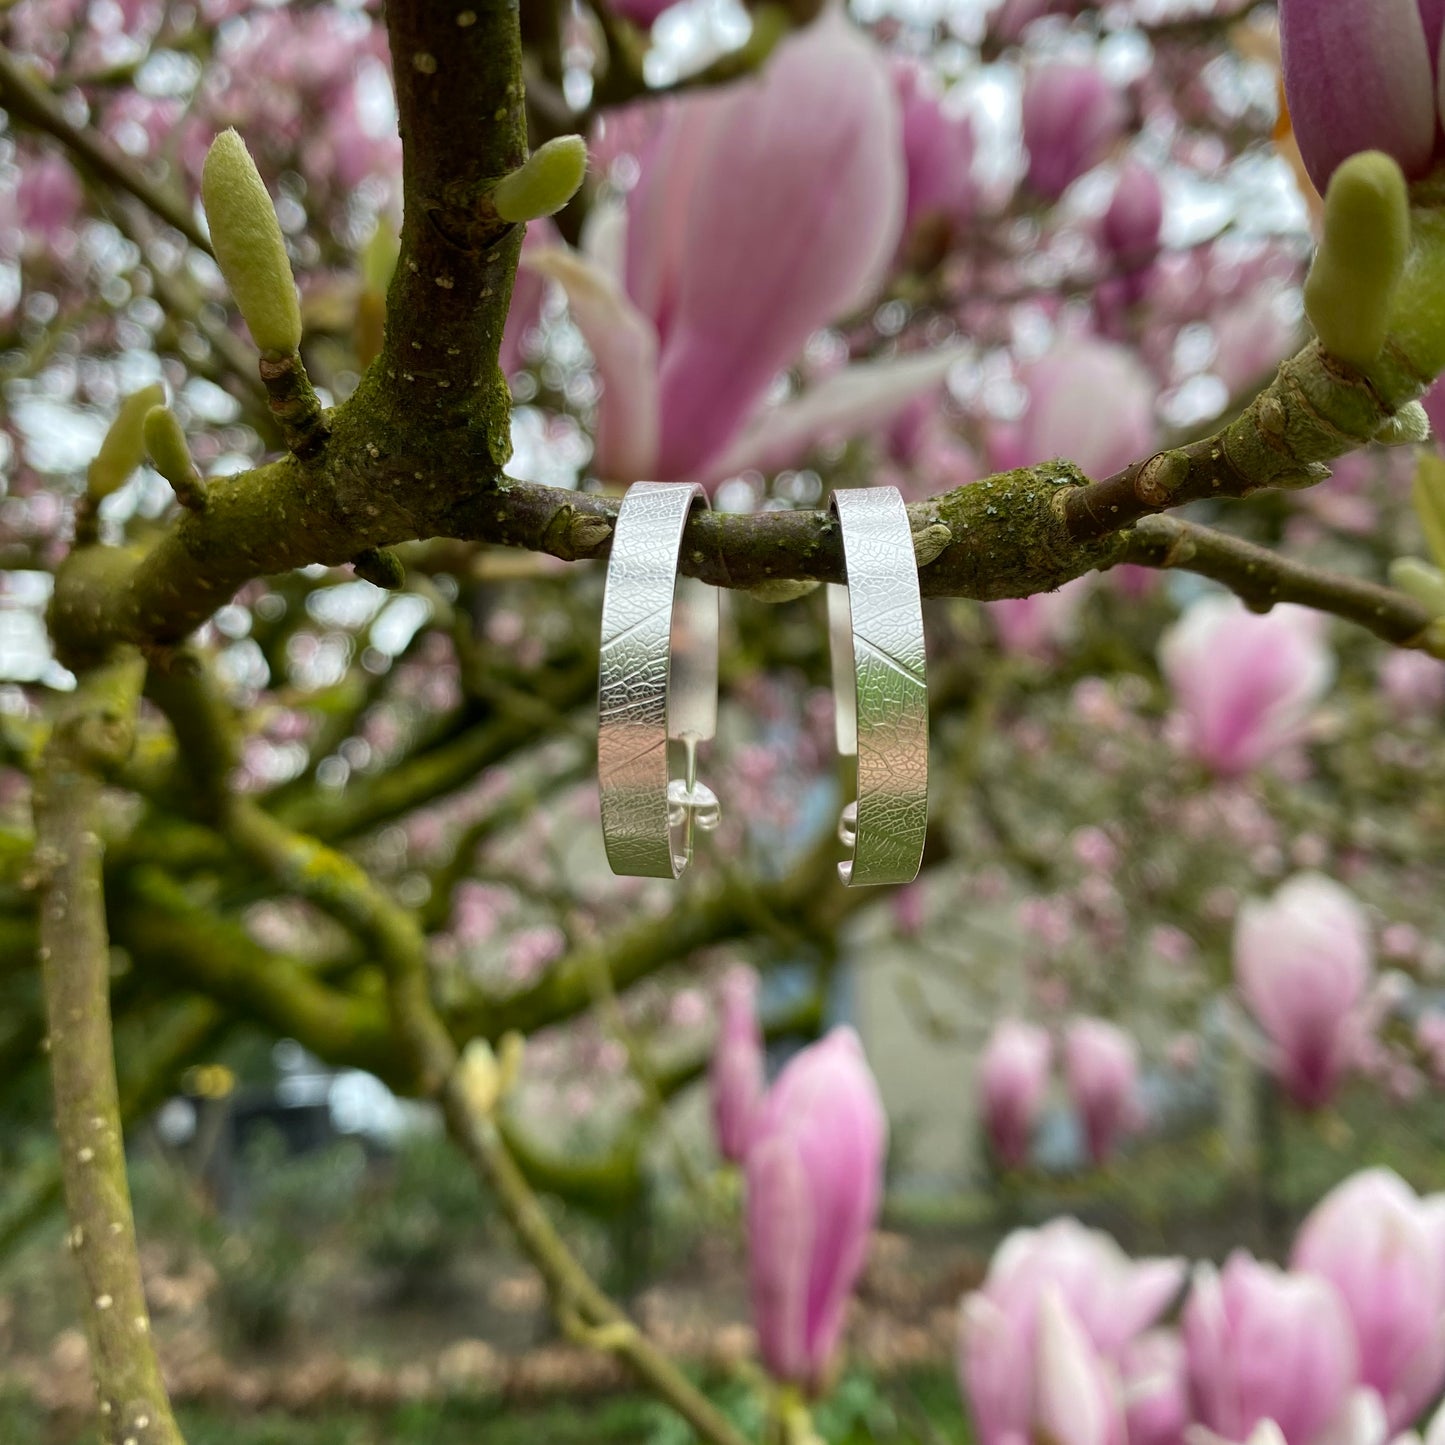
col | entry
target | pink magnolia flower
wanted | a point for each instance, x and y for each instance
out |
(763, 211)
(1043, 624)
(1303, 962)
(1111, 1297)
(1156, 1389)
(1382, 1247)
(1131, 225)
(48, 197)
(641, 12)
(1244, 684)
(938, 150)
(1363, 75)
(1072, 115)
(735, 1075)
(1076, 1394)
(1090, 401)
(814, 1173)
(1013, 1077)
(1013, 17)
(1101, 1071)
(1266, 1345)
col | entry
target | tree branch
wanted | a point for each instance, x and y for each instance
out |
(1262, 577)
(92, 733)
(32, 103)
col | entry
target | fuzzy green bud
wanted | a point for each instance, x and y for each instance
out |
(1417, 579)
(544, 182)
(380, 567)
(123, 449)
(1409, 425)
(249, 248)
(1429, 497)
(165, 440)
(1362, 254)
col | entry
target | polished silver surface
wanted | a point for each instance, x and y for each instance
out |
(875, 627)
(657, 685)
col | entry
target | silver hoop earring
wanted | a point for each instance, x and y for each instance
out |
(657, 687)
(880, 691)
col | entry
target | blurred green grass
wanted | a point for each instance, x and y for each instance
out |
(920, 1409)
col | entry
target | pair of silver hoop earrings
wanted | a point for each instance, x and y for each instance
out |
(658, 682)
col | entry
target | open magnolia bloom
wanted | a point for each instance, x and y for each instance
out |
(762, 213)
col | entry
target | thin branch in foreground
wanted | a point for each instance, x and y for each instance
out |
(94, 733)
(1261, 578)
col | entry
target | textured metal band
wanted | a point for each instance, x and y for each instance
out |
(657, 681)
(880, 692)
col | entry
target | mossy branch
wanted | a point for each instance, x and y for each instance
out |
(92, 734)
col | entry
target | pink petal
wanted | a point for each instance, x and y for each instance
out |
(1358, 76)
(780, 1244)
(796, 212)
(861, 398)
(624, 348)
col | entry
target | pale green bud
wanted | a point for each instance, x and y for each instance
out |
(249, 248)
(1410, 424)
(123, 449)
(544, 182)
(781, 589)
(171, 457)
(1362, 254)
(1426, 584)
(1429, 498)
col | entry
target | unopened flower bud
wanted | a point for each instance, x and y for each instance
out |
(123, 449)
(165, 441)
(1409, 425)
(544, 182)
(1361, 258)
(249, 247)
(1426, 584)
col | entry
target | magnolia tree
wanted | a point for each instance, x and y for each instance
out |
(310, 432)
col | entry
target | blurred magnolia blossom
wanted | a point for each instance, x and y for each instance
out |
(735, 1076)
(1155, 1374)
(1111, 1298)
(814, 1181)
(1013, 17)
(47, 199)
(1383, 1248)
(938, 151)
(1101, 1071)
(1385, 56)
(1043, 624)
(1129, 230)
(1263, 1345)
(1244, 684)
(1089, 400)
(762, 212)
(1013, 1078)
(1076, 1400)
(1303, 962)
(1072, 116)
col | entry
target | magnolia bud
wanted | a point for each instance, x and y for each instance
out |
(171, 457)
(544, 182)
(1429, 498)
(249, 248)
(1426, 584)
(123, 449)
(1361, 258)
(1409, 425)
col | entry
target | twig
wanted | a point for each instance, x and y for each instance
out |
(94, 732)
(1262, 578)
(34, 105)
